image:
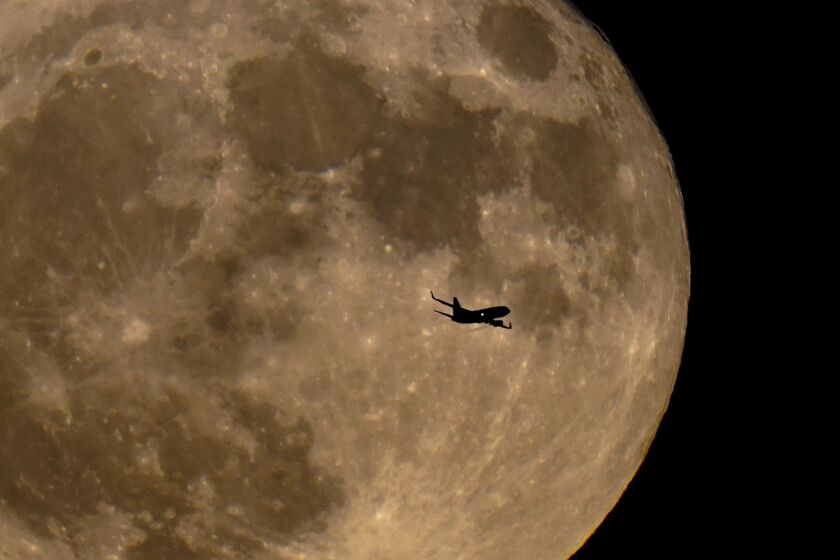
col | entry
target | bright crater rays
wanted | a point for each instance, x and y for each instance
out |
(219, 225)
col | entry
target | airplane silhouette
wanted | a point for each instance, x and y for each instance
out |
(488, 315)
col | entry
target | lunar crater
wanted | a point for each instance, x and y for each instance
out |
(93, 56)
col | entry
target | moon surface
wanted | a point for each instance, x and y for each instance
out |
(219, 225)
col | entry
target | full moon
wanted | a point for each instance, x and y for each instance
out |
(220, 221)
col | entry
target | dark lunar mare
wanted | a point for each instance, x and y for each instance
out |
(423, 170)
(65, 177)
(519, 38)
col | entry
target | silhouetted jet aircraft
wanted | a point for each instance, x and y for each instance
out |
(489, 315)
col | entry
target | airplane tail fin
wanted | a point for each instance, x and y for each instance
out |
(456, 303)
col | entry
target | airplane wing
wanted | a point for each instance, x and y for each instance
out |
(440, 300)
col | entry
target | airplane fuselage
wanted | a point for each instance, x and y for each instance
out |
(461, 315)
(488, 315)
